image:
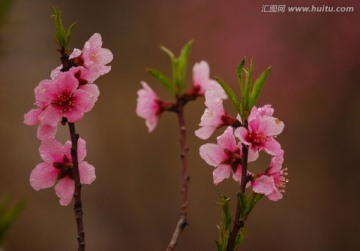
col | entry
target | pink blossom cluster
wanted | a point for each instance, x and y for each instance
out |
(259, 134)
(150, 106)
(66, 97)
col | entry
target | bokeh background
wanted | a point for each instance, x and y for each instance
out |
(134, 203)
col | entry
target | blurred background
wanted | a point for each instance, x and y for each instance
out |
(134, 203)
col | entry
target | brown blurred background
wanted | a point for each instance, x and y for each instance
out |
(134, 203)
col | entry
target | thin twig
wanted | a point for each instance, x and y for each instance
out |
(182, 222)
(239, 223)
(77, 194)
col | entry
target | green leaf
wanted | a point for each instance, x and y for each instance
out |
(230, 93)
(182, 63)
(218, 246)
(247, 87)
(257, 87)
(226, 214)
(225, 226)
(62, 35)
(239, 75)
(8, 215)
(69, 32)
(168, 52)
(240, 237)
(253, 199)
(174, 64)
(243, 205)
(162, 79)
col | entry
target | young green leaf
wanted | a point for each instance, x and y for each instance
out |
(69, 32)
(182, 63)
(257, 87)
(174, 66)
(168, 52)
(252, 200)
(240, 237)
(243, 205)
(162, 79)
(226, 214)
(239, 75)
(8, 215)
(246, 92)
(230, 93)
(62, 35)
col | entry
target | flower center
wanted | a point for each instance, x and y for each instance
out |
(93, 56)
(257, 139)
(233, 158)
(65, 101)
(66, 168)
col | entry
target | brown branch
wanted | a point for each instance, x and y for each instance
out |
(182, 222)
(239, 223)
(77, 194)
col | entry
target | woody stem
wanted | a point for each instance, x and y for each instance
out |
(77, 194)
(182, 222)
(239, 223)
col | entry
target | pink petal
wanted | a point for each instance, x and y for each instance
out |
(151, 123)
(205, 132)
(76, 53)
(95, 41)
(43, 176)
(81, 150)
(210, 118)
(54, 73)
(272, 147)
(46, 131)
(93, 91)
(264, 185)
(266, 110)
(50, 116)
(238, 174)
(32, 117)
(66, 82)
(242, 134)
(214, 102)
(74, 115)
(67, 149)
(212, 154)
(201, 72)
(65, 189)
(220, 173)
(104, 56)
(227, 139)
(253, 114)
(87, 173)
(253, 154)
(45, 92)
(147, 106)
(51, 151)
(216, 87)
(275, 195)
(271, 126)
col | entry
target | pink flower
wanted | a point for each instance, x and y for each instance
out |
(82, 74)
(93, 56)
(213, 115)
(148, 106)
(57, 169)
(272, 183)
(262, 128)
(225, 156)
(61, 97)
(202, 80)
